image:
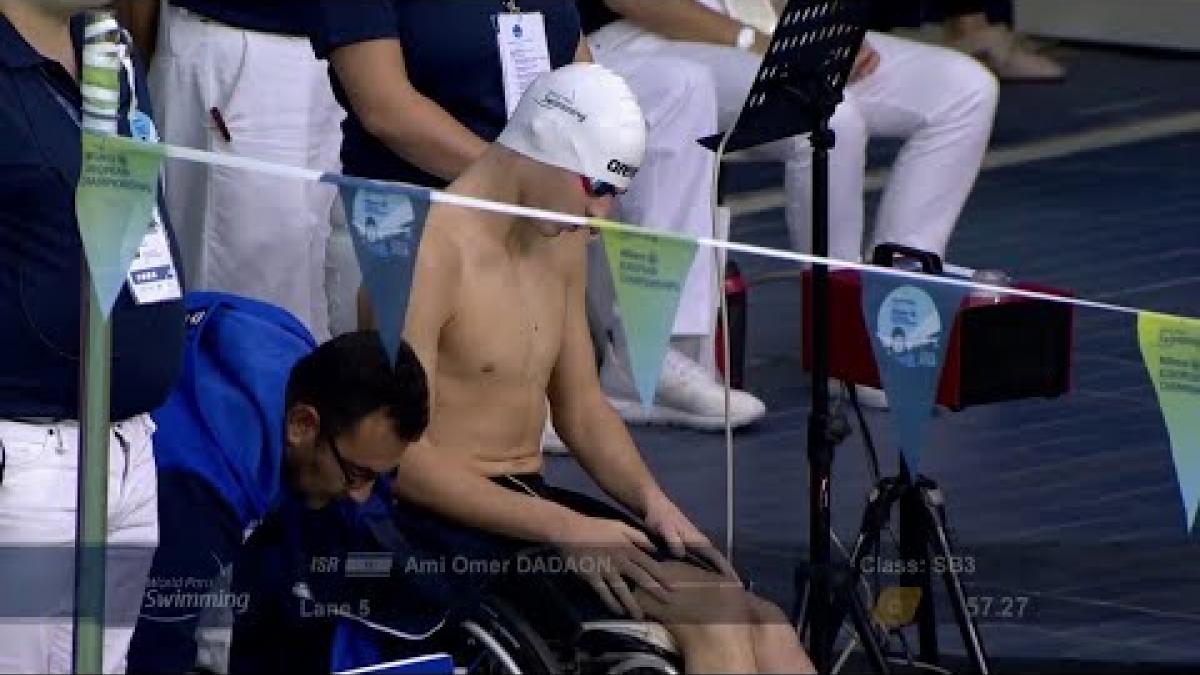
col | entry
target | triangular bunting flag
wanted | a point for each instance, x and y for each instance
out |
(648, 273)
(909, 323)
(115, 200)
(386, 223)
(1171, 350)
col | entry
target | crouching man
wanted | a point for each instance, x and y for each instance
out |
(348, 418)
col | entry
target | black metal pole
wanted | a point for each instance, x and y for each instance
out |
(820, 444)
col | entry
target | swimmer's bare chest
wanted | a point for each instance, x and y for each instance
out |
(502, 345)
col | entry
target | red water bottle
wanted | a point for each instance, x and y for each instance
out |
(735, 299)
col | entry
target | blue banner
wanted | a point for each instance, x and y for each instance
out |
(909, 323)
(386, 224)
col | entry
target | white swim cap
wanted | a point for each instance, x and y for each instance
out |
(582, 118)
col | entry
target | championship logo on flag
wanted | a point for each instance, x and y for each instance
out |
(910, 323)
(648, 273)
(1171, 351)
(386, 223)
(114, 203)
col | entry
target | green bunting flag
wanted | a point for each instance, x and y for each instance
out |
(115, 204)
(1171, 350)
(648, 273)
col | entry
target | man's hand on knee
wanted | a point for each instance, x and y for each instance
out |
(683, 537)
(608, 554)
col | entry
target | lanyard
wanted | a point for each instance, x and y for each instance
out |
(512, 6)
(126, 66)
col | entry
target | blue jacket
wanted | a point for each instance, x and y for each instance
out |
(310, 608)
(223, 420)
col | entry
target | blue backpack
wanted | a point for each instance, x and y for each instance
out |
(223, 420)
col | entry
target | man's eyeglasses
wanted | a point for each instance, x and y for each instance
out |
(356, 474)
(598, 188)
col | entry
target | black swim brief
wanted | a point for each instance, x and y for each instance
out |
(536, 485)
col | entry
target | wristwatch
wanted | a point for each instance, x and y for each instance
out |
(746, 37)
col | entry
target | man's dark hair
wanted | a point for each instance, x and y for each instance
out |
(348, 378)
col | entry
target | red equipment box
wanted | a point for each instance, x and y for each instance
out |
(1001, 349)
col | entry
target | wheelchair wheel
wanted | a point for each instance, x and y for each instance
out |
(495, 639)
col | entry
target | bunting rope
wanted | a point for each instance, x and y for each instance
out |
(1159, 343)
(1173, 385)
(580, 222)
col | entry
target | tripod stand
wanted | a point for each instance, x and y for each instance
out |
(925, 549)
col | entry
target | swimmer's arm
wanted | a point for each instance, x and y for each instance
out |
(583, 417)
(427, 475)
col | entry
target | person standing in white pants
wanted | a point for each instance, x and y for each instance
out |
(37, 529)
(240, 78)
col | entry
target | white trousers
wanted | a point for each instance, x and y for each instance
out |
(343, 276)
(672, 191)
(244, 232)
(38, 501)
(940, 102)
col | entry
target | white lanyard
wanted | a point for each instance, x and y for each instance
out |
(524, 51)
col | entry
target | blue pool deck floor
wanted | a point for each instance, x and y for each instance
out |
(1070, 503)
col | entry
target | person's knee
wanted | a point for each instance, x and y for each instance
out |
(728, 604)
(984, 88)
(976, 88)
(688, 87)
(701, 598)
(766, 613)
(711, 647)
(778, 645)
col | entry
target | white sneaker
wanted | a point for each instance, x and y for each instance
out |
(551, 443)
(687, 397)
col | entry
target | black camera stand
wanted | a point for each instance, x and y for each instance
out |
(925, 549)
(798, 87)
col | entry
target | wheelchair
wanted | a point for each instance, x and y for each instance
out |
(539, 624)
(570, 632)
(537, 627)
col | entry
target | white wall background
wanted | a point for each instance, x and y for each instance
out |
(1173, 24)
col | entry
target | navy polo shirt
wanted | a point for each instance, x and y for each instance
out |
(41, 254)
(267, 16)
(451, 56)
